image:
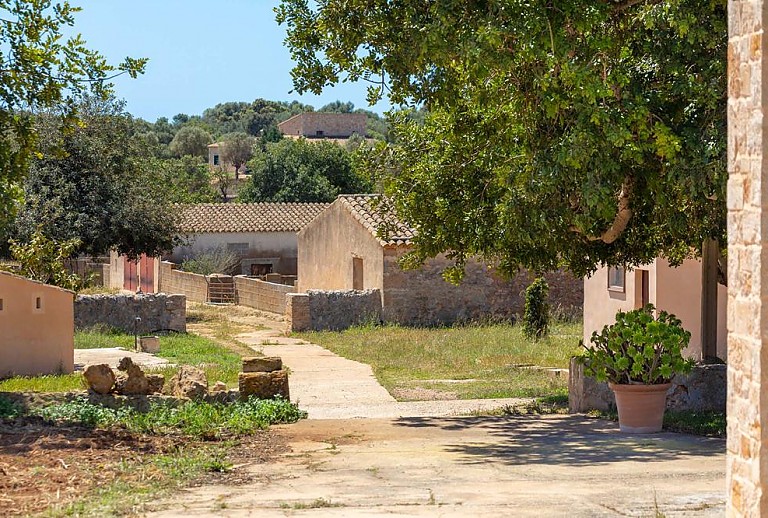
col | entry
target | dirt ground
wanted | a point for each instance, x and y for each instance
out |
(44, 466)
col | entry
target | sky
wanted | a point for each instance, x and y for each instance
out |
(200, 54)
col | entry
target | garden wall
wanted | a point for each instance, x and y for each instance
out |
(158, 312)
(704, 388)
(331, 310)
(262, 295)
(193, 285)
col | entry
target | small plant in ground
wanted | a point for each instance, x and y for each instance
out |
(80, 411)
(536, 314)
(9, 409)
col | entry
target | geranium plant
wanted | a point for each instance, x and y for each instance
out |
(639, 348)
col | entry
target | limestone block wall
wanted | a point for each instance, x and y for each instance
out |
(330, 124)
(192, 285)
(747, 462)
(422, 297)
(262, 295)
(332, 310)
(158, 312)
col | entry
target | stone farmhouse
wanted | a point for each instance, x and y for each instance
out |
(262, 234)
(676, 290)
(36, 327)
(314, 125)
(341, 250)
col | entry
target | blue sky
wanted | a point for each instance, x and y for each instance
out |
(201, 54)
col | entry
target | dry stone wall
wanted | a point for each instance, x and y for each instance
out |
(158, 312)
(332, 310)
(421, 297)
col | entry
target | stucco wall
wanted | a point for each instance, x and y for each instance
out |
(331, 124)
(35, 340)
(327, 247)
(262, 295)
(281, 246)
(423, 297)
(675, 290)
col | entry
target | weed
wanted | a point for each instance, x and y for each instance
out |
(9, 409)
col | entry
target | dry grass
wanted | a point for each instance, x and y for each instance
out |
(476, 361)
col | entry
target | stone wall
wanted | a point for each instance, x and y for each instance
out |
(330, 124)
(747, 203)
(193, 285)
(262, 295)
(332, 310)
(704, 388)
(158, 312)
(421, 297)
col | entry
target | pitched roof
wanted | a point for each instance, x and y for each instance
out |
(204, 218)
(376, 216)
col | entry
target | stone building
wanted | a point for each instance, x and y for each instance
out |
(324, 125)
(262, 234)
(36, 328)
(341, 250)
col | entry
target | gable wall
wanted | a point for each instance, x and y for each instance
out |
(327, 247)
(35, 341)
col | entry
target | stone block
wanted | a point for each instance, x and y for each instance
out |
(156, 383)
(99, 378)
(262, 364)
(131, 380)
(189, 382)
(150, 344)
(264, 385)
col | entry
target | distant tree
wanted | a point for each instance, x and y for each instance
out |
(187, 179)
(338, 107)
(237, 149)
(302, 171)
(269, 134)
(93, 183)
(223, 182)
(192, 141)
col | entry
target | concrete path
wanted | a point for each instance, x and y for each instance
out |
(328, 386)
(113, 355)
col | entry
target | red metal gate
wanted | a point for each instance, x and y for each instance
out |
(141, 274)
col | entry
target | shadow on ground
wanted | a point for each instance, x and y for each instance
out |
(564, 440)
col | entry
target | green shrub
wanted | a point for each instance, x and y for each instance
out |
(80, 411)
(9, 409)
(536, 315)
(214, 260)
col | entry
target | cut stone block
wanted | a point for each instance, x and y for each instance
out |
(262, 364)
(264, 385)
(150, 344)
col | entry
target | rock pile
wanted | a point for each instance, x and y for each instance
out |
(263, 378)
(129, 380)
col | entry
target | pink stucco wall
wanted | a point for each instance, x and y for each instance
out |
(676, 290)
(35, 337)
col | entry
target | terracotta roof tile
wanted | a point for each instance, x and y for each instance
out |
(379, 218)
(248, 217)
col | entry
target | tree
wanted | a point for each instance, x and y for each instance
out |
(40, 69)
(186, 179)
(94, 184)
(575, 132)
(302, 171)
(237, 149)
(192, 141)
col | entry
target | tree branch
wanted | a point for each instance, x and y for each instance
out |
(623, 215)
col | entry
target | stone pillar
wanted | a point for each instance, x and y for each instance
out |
(747, 464)
(297, 314)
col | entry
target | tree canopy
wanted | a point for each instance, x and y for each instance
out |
(190, 141)
(575, 132)
(41, 69)
(297, 170)
(94, 184)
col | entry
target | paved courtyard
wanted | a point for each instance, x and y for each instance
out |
(361, 453)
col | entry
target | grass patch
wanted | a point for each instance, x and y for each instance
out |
(218, 362)
(491, 360)
(222, 324)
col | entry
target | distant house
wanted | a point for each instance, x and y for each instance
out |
(676, 290)
(341, 250)
(36, 327)
(262, 234)
(324, 125)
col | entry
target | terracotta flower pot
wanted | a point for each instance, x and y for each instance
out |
(641, 407)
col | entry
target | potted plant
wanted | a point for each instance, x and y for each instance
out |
(638, 356)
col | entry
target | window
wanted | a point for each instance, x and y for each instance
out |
(238, 248)
(215, 159)
(261, 269)
(357, 273)
(38, 303)
(616, 279)
(1, 304)
(319, 133)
